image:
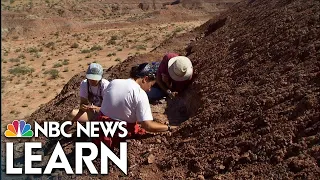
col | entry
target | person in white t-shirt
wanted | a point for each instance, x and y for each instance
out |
(126, 100)
(91, 95)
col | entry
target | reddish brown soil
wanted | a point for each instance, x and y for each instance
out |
(253, 108)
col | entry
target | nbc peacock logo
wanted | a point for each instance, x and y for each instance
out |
(18, 128)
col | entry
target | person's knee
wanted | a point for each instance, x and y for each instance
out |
(72, 114)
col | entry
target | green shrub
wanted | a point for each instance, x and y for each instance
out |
(21, 70)
(32, 50)
(141, 47)
(96, 48)
(56, 65)
(65, 62)
(85, 51)
(54, 74)
(14, 60)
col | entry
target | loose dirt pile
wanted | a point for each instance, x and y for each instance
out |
(259, 85)
(254, 106)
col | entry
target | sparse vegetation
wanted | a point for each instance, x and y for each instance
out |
(118, 59)
(37, 55)
(29, 82)
(178, 29)
(85, 51)
(14, 60)
(33, 50)
(22, 56)
(65, 62)
(87, 39)
(75, 45)
(15, 112)
(49, 44)
(96, 48)
(140, 47)
(148, 38)
(111, 54)
(57, 65)
(111, 42)
(54, 74)
(21, 70)
(114, 37)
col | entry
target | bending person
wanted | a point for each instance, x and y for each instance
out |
(174, 75)
(126, 100)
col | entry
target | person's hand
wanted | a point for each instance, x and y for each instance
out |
(84, 107)
(170, 128)
(171, 95)
(175, 94)
(174, 127)
(94, 108)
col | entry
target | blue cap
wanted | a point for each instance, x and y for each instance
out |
(94, 72)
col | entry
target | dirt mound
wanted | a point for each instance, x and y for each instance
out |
(254, 106)
(258, 78)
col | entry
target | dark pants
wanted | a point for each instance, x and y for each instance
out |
(156, 93)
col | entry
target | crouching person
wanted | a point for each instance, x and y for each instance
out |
(126, 100)
(91, 95)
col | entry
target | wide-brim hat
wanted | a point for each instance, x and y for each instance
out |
(180, 68)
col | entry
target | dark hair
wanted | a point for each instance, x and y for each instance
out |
(142, 70)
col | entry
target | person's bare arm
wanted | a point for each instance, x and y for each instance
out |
(153, 126)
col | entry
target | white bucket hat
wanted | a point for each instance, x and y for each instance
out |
(180, 68)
